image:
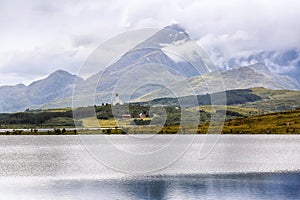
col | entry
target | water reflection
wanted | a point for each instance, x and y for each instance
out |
(247, 186)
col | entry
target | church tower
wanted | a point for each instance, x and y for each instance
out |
(117, 100)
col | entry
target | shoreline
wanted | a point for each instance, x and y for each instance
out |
(120, 132)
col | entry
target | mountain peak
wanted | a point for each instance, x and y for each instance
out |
(259, 67)
(175, 27)
(58, 76)
(60, 72)
(166, 36)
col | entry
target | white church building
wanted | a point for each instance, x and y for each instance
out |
(117, 100)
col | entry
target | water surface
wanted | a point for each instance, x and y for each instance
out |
(239, 167)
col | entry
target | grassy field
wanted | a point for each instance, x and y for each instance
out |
(274, 100)
(241, 110)
(58, 109)
(91, 122)
(275, 123)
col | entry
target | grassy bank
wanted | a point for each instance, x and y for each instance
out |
(275, 123)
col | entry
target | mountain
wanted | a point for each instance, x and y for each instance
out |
(152, 51)
(59, 84)
(284, 62)
(152, 60)
(131, 70)
(55, 90)
(158, 50)
(13, 98)
(257, 75)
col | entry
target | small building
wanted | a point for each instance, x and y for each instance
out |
(117, 100)
(126, 116)
(142, 116)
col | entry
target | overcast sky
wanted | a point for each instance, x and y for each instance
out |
(38, 37)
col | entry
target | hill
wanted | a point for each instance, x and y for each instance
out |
(263, 99)
(276, 123)
(252, 76)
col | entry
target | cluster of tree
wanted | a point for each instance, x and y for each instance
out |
(36, 132)
(229, 113)
(140, 122)
(166, 115)
(109, 111)
(230, 97)
(241, 96)
(32, 118)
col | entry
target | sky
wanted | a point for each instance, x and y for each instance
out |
(38, 37)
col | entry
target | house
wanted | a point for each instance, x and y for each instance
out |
(126, 116)
(142, 116)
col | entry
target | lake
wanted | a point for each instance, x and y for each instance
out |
(69, 167)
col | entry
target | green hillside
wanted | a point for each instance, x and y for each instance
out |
(256, 110)
(239, 96)
(274, 100)
(276, 123)
(247, 102)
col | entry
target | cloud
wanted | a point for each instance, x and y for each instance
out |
(224, 28)
(84, 40)
(32, 65)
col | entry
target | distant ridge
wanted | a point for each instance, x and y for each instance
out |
(245, 77)
(15, 98)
